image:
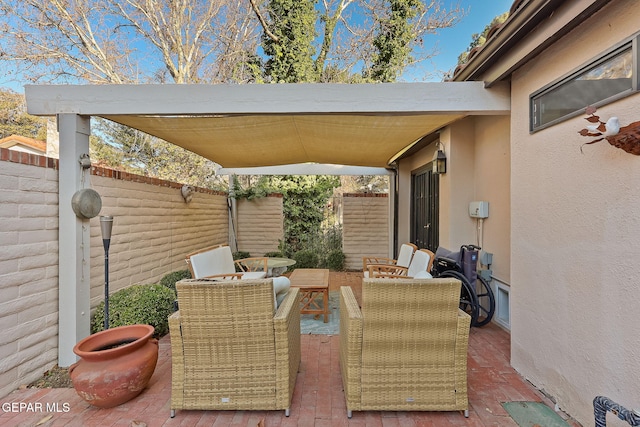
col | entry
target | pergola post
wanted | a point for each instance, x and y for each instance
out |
(73, 238)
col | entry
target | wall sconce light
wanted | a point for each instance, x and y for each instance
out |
(439, 160)
(187, 193)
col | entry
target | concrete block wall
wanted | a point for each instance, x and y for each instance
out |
(260, 224)
(28, 267)
(153, 231)
(365, 227)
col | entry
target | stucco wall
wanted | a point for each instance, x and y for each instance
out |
(260, 224)
(365, 227)
(575, 327)
(153, 230)
(478, 168)
(492, 183)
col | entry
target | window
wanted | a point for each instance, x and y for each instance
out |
(611, 76)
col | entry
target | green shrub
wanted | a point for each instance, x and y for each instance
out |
(306, 258)
(170, 279)
(137, 304)
(241, 255)
(274, 254)
(335, 260)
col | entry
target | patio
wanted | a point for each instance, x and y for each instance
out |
(318, 399)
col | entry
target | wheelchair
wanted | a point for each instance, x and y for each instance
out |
(476, 296)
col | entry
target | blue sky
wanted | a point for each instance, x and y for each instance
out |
(453, 41)
(450, 42)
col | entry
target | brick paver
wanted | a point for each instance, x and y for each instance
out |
(318, 397)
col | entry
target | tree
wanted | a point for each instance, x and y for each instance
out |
(103, 41)
(304, 200)
(393, 42)
(14, 119)
(377, 35)
(288, 42)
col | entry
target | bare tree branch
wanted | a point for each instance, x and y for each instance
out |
(263, 22)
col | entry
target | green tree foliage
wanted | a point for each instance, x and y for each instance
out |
(382, 37)
(14, 119)
(289, 43)
(393, 42)
(304, 200)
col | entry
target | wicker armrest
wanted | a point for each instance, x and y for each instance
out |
(177, 359)
(461, 348)
(287, 334)
(351, 321)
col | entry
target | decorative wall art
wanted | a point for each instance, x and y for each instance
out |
(626, 138)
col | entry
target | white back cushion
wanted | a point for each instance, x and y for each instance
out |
(404, 257)
(215, 261)
(419, 263)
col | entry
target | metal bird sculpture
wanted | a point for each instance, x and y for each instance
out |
(600, 128)
(626, 138)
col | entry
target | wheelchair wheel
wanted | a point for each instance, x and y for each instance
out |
(468, 299)
(486, 302)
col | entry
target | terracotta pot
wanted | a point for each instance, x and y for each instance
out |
(115, 365)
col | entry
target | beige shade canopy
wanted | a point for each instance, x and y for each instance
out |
(267, 140)
(255, 125)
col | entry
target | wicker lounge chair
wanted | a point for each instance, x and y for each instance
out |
(231, 349)
(406, 350)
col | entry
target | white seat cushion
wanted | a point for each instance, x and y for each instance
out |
(281, 286)
(423, 275)
(254, 275)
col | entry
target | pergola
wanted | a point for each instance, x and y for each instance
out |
(239, 126)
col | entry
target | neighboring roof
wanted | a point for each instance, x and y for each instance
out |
(519, 39)
(16, 140)
(277, 124)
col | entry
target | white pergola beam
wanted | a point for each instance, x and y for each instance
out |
(184, 100)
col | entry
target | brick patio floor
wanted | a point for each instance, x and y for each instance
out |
(318, 398)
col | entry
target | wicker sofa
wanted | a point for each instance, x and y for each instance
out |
(231, 349)
(406, 349)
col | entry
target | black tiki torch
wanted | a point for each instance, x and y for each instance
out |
(106, 224)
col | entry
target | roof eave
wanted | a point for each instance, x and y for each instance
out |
(520, 23)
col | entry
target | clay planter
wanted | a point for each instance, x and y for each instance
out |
(115, 365)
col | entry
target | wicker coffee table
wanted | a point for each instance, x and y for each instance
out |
(311, 282)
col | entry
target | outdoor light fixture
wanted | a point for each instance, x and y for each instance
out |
(106, 224)
(439, 160)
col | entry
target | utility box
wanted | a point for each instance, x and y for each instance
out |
(479, 209)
